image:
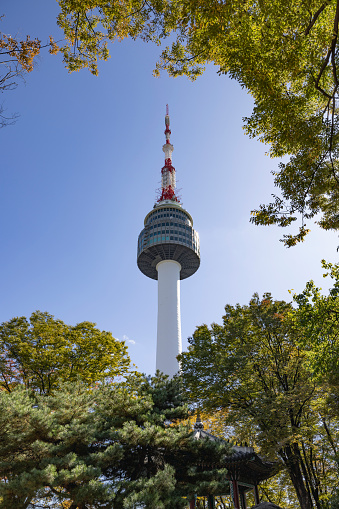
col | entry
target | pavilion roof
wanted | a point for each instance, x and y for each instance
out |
(243, 464)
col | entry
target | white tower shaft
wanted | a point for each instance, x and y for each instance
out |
(169, 320)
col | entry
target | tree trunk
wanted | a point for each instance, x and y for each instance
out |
(291, 461)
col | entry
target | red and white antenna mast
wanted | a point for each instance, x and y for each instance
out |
(168, 171)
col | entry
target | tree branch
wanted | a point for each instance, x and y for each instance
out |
(315, 17)
(328, 433)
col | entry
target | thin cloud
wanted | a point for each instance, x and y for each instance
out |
(127, 340)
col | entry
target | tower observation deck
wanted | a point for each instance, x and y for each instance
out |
(168, 250)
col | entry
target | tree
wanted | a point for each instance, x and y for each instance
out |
(161, 466)
(284, 53)
(44, 453)
(317, 315)
(116, 446)
(254, 368)
(17, 59)
(42, 352)
(277, 489)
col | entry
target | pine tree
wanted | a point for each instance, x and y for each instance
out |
(161, 465)
(116, 446)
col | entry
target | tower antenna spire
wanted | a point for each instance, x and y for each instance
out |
(168, 180)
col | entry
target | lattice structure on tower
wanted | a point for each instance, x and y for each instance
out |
(168, 180)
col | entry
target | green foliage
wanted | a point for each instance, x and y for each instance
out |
(43, 352)
(334, 501)
(147, 416)
(283, 52)
(116, 446)
(279, 490)
(318, 314)
(44, 450)
(254, 368)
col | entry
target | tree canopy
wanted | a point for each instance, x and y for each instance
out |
(259, 368)
(117, 446)
(283, 52)
(317, 318)
(42, 352)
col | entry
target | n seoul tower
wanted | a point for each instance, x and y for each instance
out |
(168, 250)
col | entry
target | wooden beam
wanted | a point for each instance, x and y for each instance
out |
(236, 494)
(256, 494)
(211, 504)
(243, 500)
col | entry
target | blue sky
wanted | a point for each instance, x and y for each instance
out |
(79, 173)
